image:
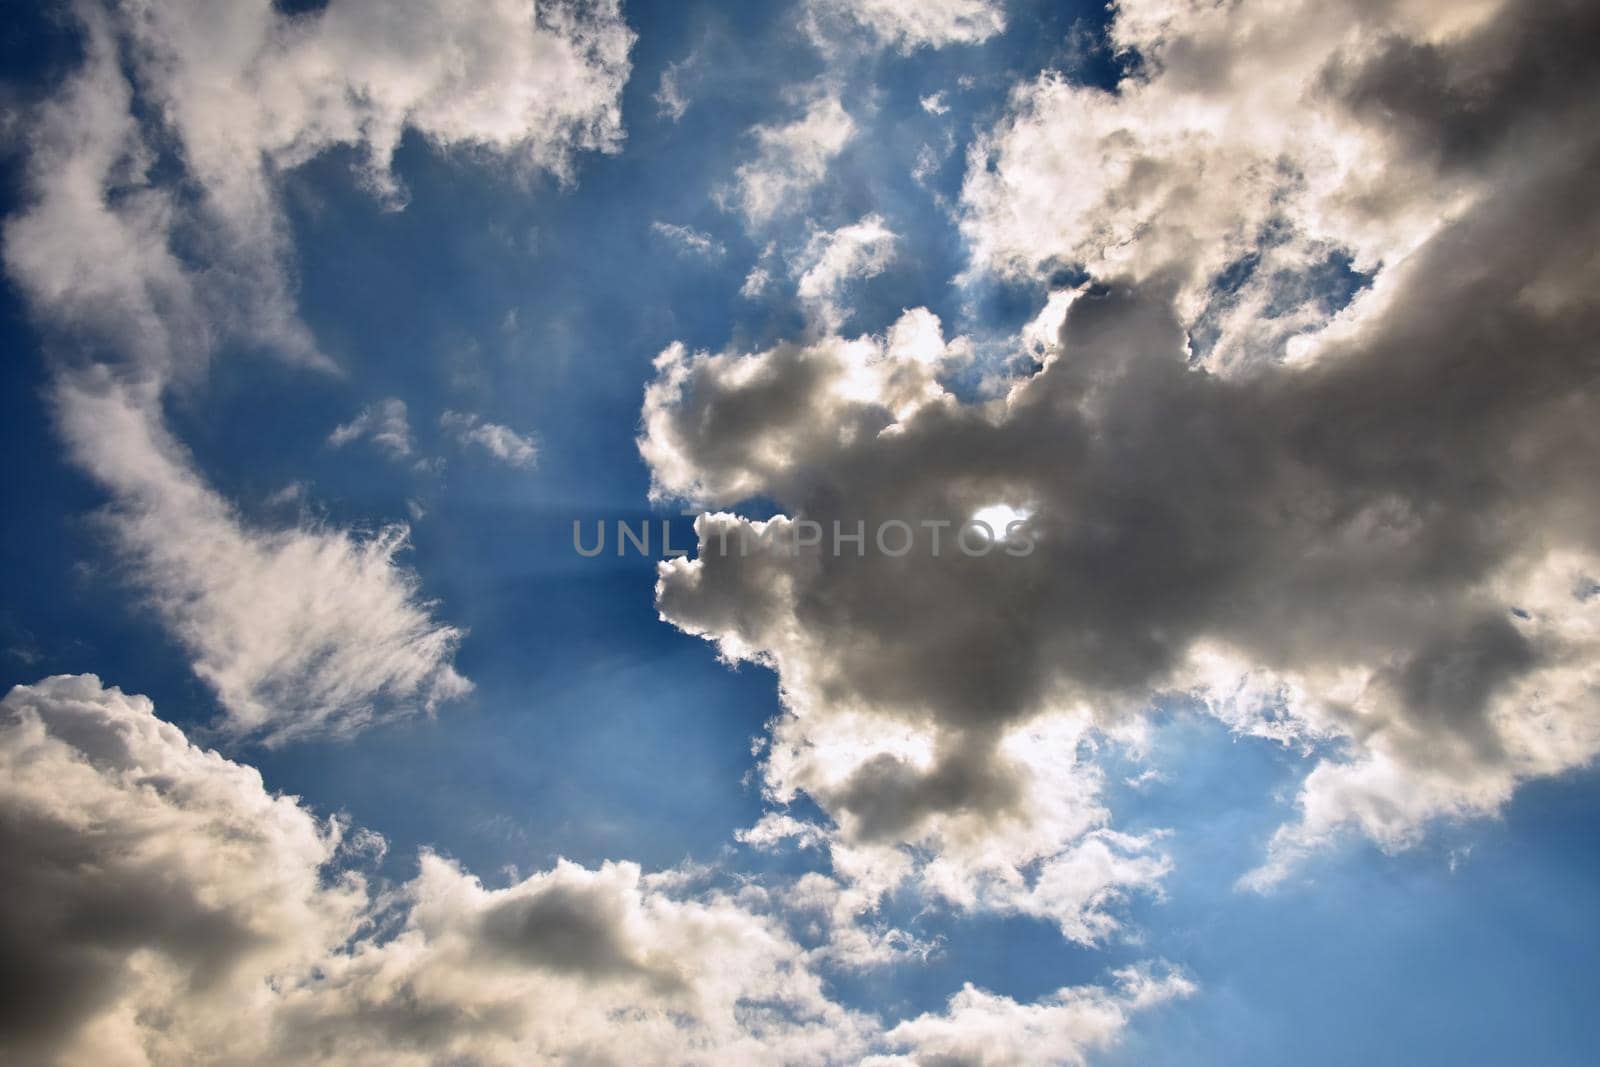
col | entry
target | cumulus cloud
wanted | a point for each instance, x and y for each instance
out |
(144, 874)
(503, 443)
(569, 965)
(901, 746)
(1385, 552)
(904, 25)
(385, 424)
(1262, 152)
(783, 396)
(791, 159)
(981, 1029)
(164, 908)
(141, 271)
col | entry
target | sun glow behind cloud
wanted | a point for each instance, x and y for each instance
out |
(1197, 296)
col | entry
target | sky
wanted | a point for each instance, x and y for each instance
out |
(1265, 735)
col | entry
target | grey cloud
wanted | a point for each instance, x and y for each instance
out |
(885, 799)
(573, 932)
(1360, 514)
(1459, 101)
(133, 862)
(162, 908)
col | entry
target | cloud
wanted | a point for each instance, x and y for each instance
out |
(689, 240)
(1261, 152)
(904, 25)
(145, 875)
(141, 271)
(791, 159)
(780, 397)
(384, 423)
(672, 96)
(569, 965)
(981, 1029)
(832, 259)
(1379, 553)
(893, 744)
(934, 104)
(164, 908)
(251, 93)
(504, 444)
(755, 282)
(534, 83)
(297, 629)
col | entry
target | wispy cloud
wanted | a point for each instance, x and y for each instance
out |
(385, 424)
(689, 240)
(503, 443)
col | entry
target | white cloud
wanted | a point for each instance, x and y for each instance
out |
(672, 96)
(535, 83)
(1403, 776)
(791, 159)
(145, 876)
(1007, 821)
(1239, 139)
(162, 908)
(298, 629)
(832, 259)
(690, 240)
(169, 910)
(934, 104)
(982, 1029)
(503, 443)
(755, 282)
(569, 965)
(905, 25)
(242, 93)
(246, 93)
(926, 166)
(818, 387)
(384, 423)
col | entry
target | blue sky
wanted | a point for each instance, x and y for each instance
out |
(604, 727)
